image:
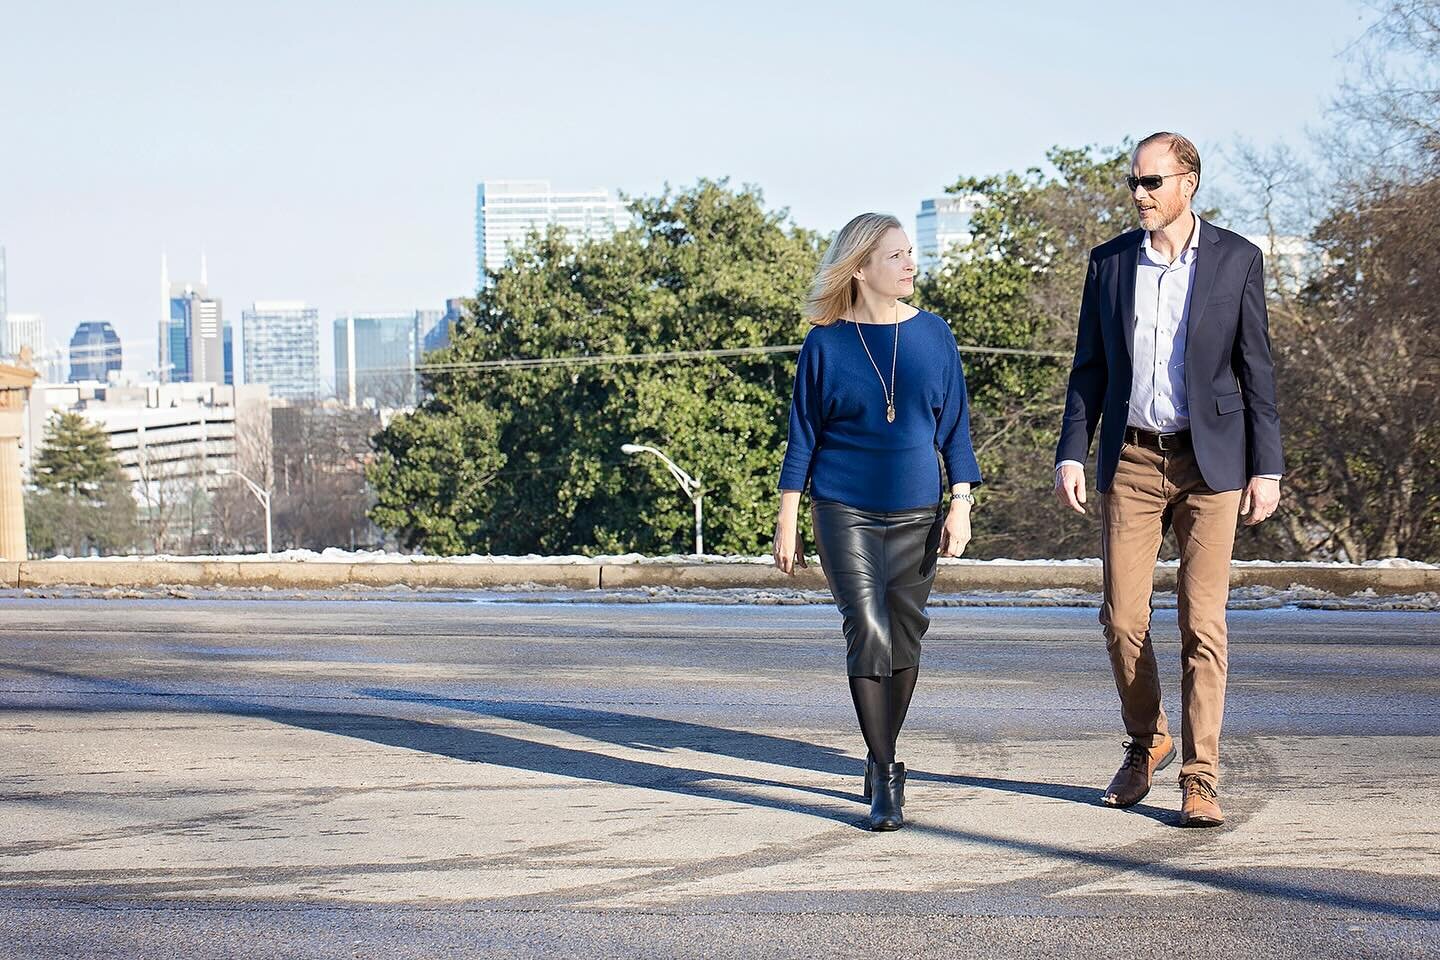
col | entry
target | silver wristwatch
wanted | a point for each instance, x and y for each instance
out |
(964, 497)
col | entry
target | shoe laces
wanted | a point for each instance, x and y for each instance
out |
(1195, 785)
(1136, 754)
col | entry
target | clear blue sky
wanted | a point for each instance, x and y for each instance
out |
(329, 151)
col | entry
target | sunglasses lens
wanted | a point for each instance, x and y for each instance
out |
(1149, 183)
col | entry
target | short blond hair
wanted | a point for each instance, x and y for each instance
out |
(835, 288)
(1181, 148)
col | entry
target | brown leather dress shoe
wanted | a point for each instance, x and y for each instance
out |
(1201, 804)
(1132, 780)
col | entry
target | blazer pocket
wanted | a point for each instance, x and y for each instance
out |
(1230, 403)
(1215, 302)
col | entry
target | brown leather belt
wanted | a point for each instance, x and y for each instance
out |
(1158, 441)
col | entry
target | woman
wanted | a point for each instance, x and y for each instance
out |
(878, 391)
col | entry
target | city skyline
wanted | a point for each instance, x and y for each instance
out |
(373, 223)
(279, 340)
(937, 224)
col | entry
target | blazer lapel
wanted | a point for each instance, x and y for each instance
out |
(1206, 266)
(1129, 259)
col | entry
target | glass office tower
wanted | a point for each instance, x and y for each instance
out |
(281, 346)
(375, 358)
(94, 352)
(507, 211)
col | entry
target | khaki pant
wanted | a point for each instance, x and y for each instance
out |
(1153, 488)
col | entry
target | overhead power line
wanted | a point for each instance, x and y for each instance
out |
(530, 363)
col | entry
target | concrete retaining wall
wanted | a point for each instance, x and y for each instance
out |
(956, 578)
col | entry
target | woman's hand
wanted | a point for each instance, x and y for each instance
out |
(955, 535)
(787, 550)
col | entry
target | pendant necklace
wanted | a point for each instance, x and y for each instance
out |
(888, 391)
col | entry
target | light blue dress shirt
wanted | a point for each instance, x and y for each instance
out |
(1157, 337)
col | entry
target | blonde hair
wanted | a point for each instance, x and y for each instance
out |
(835, 288)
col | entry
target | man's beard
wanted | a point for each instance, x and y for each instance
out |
(1160, 216)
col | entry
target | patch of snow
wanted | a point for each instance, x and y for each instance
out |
(1243, 598)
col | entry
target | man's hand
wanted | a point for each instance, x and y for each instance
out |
(1261, 497)
(1070, 486)
(955, 535)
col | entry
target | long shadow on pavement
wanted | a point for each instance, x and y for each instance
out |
(482, 746)
(469, 745)
(657, 733)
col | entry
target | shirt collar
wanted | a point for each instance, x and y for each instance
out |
(1186, 255)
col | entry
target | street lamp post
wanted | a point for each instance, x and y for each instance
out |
(263, 496)
(688, 484)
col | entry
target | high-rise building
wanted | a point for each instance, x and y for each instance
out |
(282, 347)
(195, 340)
(5, 350)
(439, 335)
(375, 358)
(26, 330)
(942, 224)
(94, 352)
(229, 352)
(507, 211)
(427, 322)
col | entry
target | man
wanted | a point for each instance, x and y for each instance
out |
(1173, 361)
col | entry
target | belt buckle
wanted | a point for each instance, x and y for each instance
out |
(1160, 439)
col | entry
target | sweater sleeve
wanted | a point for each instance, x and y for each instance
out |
(952, 427)
(805, 419)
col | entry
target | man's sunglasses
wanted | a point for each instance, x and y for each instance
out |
(1151, 182)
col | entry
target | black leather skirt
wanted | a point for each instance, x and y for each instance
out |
(880, 567)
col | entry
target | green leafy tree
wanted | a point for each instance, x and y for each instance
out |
(434, 474)
(526, 457)
(80, 499)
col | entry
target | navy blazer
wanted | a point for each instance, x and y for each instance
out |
(1229, 374)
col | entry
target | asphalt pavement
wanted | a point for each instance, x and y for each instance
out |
(463, 777)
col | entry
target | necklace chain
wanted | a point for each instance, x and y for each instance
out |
(894, 356)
